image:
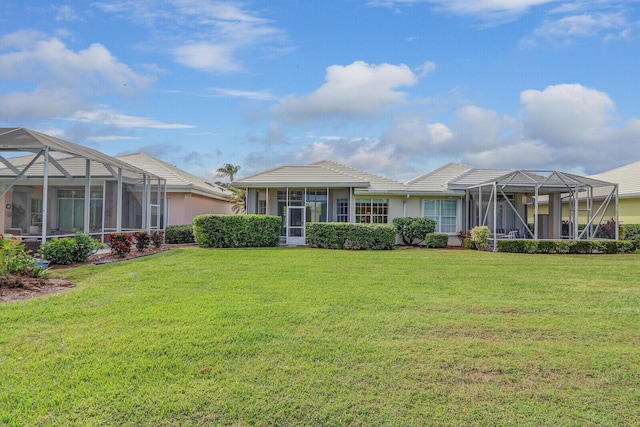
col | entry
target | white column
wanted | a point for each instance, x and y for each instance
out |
(45, 195)
(87, 195)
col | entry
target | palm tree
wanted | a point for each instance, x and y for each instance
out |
(238, 198)
(227, 170)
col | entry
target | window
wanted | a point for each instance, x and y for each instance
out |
(316, 206)
(71, 209)
(443, 212)
(342, 210)
(372, 211)
(262, 207)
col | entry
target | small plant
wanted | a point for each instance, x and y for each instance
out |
(462, 235)
(480, 236)
(120, 244)
(67, 250)
(436, 240)
(58, 250)
(143, 240)
(156, 238)
(176, 234)
(85, 246)
(15, 260)
(413, 230)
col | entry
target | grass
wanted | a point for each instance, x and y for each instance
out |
(196, 337)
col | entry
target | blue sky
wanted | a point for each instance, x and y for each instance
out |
(395, 87)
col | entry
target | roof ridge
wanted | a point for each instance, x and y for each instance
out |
(355, 169)
(438, 169)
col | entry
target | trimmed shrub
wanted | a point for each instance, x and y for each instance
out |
(120, 243)
(412, 230)
(565, 246)
(66, 250)
(328, 235)
(436, 240)
(58, 250)
(237, 231)
(157, 237)
(179, 234)
(480, 236)
(631, 232)
(468, 243)
(142, 239)
(340, 235)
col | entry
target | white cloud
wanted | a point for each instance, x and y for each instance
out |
(66, 13)
(49, 63)
(355, 90)
(426, 68)
(207, 57)
(495, 11)
(259, 95)
(567, 113)
(571, 27)
(205, 35)
(59, 81)
(105, 117)
(566, 127)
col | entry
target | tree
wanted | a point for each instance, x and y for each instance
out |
(414, 230)
(238, 198)
(227, 170)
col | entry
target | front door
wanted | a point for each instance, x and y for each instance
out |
(295, 225)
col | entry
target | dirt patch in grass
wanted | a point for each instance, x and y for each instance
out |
(20, 288)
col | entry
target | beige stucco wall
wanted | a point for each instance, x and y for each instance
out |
(183, 207)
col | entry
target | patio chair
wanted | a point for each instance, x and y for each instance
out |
(513, 234)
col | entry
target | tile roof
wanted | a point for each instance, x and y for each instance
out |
(313, 175)
(177, 179)
(627, 177)
(437, 180)
(376, 182)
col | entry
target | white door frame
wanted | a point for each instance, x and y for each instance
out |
(295, 231)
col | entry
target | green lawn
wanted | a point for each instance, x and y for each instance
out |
(316, 337)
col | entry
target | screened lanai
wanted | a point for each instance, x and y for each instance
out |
(52, 188)
(543, 205)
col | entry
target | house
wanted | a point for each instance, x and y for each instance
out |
(52, 187)
(458, 197)
(628, 179)
(187, 195)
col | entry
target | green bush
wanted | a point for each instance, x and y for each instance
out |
(66, 250)
(237, 231)
(631, 232)
(565, 246)
(15, 259)
(480, 236)
(468, 243)
(335, 235)
(436, 240)
(179, 234)
(412, 230)
(58, 250)
(328, 235)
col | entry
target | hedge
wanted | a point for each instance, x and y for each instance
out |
(565, 246)
(631, 232)
(340, 235)
(436, 240)
(177, 234)
(237, 231)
